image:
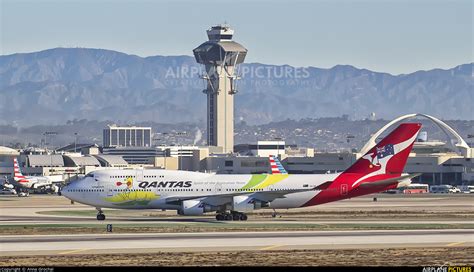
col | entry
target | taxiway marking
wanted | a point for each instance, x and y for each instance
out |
(455, 244)
(73, 251)
(271, 247)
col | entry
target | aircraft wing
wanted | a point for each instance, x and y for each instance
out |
(387, 182)
(216, 197)
(221, 199)
(272, 195)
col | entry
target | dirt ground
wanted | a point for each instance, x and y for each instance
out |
(460, 256)
(158, 228)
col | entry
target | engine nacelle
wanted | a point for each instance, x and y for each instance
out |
(247, 204)
(194, 207)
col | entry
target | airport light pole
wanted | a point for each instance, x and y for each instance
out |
(257, 149)
(180, 152)
(180, 135)
(75, 141)
(43, 140)
(278, 139)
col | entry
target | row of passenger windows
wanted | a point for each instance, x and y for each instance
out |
(250, 190)
(132, 190)
(182, 190)
(135, 176)
(85, 190)
(171, 190)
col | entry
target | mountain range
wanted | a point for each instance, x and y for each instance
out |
(61, 84)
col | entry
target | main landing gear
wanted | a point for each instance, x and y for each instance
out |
(232, 216)
(100, 215)
(274, 213)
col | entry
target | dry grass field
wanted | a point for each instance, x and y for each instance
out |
(332, 257)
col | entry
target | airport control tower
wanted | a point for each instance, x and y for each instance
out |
(220, 55)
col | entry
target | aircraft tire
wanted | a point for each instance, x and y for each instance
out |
(236, 217)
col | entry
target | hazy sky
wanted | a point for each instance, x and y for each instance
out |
(386, 36)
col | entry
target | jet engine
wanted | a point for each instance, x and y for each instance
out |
(195, 207)
(8, 186)
(247, 203)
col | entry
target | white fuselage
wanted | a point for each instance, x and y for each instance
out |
(32, 182)
(162, 189)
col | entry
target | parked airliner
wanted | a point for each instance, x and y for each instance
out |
(26, 183)
(231, 196)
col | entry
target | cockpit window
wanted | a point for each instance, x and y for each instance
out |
(91, 175)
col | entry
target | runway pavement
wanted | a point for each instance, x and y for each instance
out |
(388, 211)
(136, 220)
(435, 208)
(16, 245)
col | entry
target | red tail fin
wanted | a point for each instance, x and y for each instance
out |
(385, 160)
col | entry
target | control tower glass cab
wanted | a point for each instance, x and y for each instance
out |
(220, 55)
(220, 33)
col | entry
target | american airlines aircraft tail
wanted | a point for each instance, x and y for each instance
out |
(276, 166)
(17, 175)
(231, 196)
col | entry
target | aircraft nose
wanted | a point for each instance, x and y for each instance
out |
(65, 191)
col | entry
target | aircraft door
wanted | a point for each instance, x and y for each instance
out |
(218, 187)
(108, 184)
(109, 188)
(139, 175)
(343, 189)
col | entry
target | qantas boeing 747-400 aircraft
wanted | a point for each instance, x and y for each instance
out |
(231, 196)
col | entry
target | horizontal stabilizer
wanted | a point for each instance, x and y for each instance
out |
(323, 186)
(386, 182)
